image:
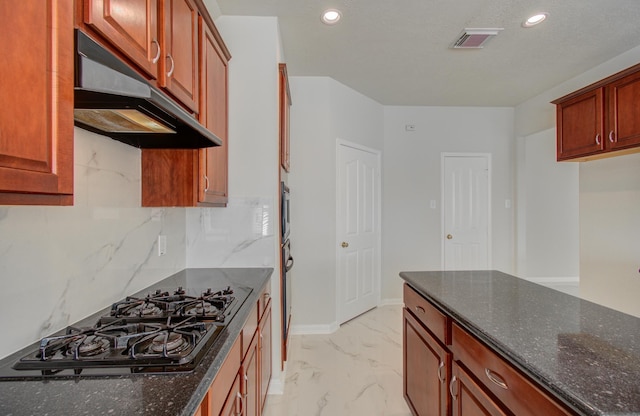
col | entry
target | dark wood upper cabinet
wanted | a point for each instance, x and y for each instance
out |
(285, 104)
(196, 177)
(213, 164)
(36, 121)
(180, 39)
(131, 26)
(623, 99)
(600, 120)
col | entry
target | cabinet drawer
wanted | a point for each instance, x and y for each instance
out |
(427, 314)
(513, 389)
(249, 330)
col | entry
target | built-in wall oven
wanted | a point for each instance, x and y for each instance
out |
(286, 263)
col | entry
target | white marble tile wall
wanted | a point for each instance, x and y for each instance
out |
(60, 264)
(240, 235)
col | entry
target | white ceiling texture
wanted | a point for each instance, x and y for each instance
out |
(397, 51)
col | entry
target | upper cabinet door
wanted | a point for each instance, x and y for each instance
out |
(36, 121)
(131, 26)
(213, 115)
(285, 104)
(181, 76)
(624, 112)
(580, 127)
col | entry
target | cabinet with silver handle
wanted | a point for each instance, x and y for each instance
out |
(448, 371)
(608, 111)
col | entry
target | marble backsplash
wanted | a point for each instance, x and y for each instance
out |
(61, 264)
(241, 235)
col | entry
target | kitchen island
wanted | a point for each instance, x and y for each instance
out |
(138, 394)
(582, 356)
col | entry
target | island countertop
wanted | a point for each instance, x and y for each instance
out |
(139, 394)
(586, 355)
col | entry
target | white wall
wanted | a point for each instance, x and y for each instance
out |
(547, 211)
(411, 171)
(255, 46)
(609, 232)
(322, 111)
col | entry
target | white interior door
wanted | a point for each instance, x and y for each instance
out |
(466, 211)
(358, 230)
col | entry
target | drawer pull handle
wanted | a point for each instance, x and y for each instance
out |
(496, 379)
(598, 139)
(612, 136)
(453, 381)
(440, 367)
(420, 309)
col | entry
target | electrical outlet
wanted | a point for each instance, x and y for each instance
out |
(162, 245)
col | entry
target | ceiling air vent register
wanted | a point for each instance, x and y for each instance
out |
(474, 38)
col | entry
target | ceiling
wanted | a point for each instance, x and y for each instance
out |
(397, 52)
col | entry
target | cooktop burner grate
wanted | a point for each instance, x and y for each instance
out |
(160, 332)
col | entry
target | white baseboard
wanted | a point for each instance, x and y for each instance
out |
(391, 302)
(320, 329)
(276, 385)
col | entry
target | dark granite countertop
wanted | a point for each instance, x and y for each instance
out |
(585, 354)
(162, 394)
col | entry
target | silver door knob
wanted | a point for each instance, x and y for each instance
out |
(345, 244)
(449, 236)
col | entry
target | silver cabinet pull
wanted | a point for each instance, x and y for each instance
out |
(454, 396)
(173, 66)
(240, 407)
(155, 58)
(440, 367)
(496, 379)
(420, 309)
(612, 136)
(206, 181)
(598, 139)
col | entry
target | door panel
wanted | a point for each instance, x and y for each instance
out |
(466, 212)
(358, 219)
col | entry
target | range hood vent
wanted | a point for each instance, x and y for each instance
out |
(111, 99)
(474, 38)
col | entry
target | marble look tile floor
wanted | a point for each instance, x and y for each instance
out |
(355, 371)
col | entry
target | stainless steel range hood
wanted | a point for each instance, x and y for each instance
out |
(112, 99)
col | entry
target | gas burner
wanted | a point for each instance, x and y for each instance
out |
(89, 347)
(145, 309)
(171, 343)
(202, 308)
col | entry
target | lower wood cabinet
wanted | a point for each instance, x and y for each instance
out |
(250, 376)
(240, 388)
(427, 366)
(264, 347)
(447, 371)
(233, 404)
(469, 397)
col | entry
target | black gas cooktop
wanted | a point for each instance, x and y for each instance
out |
(165, 331)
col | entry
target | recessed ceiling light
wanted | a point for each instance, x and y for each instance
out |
(535, 19)
(331, 16)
